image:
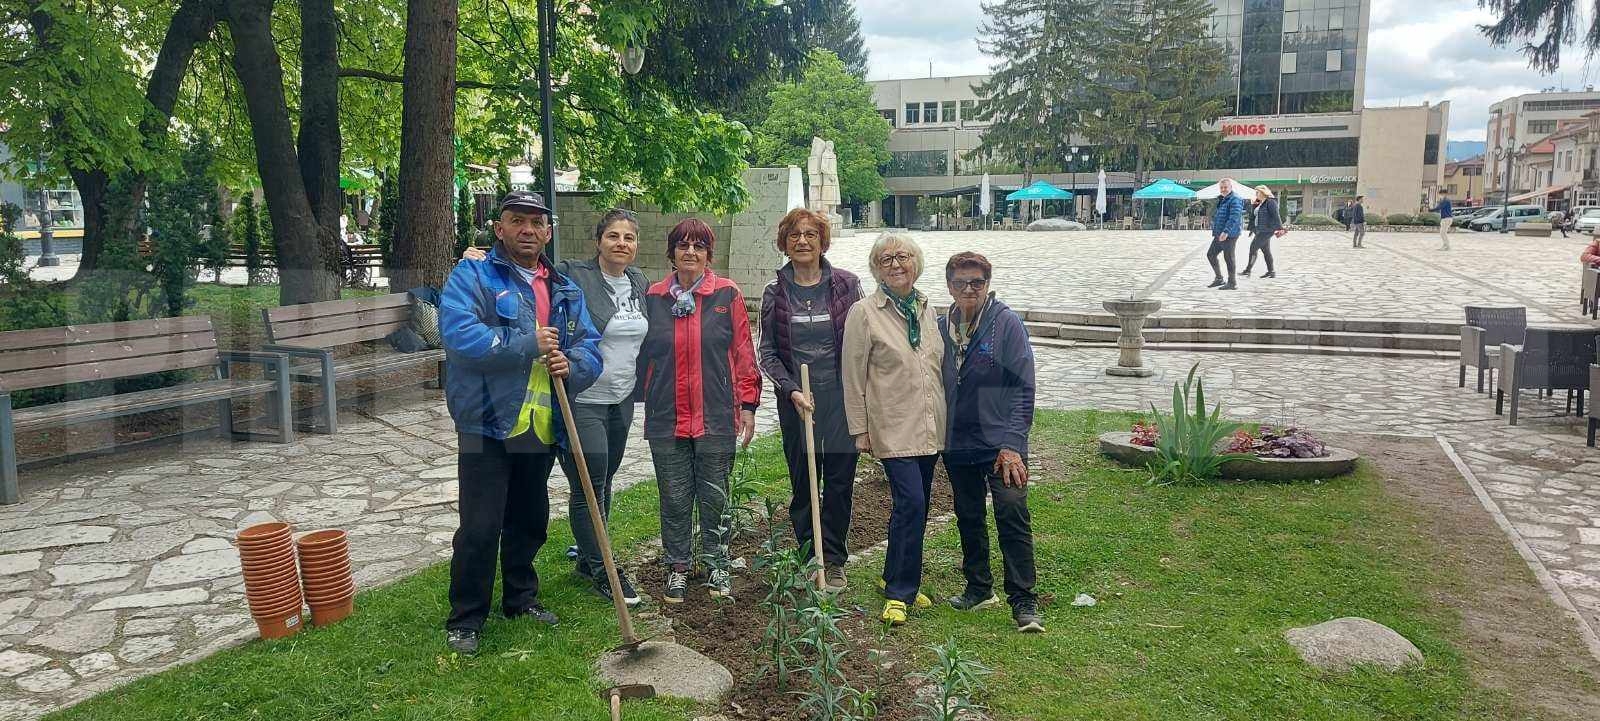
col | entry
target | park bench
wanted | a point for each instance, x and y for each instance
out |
(313, 330)
(48, 357)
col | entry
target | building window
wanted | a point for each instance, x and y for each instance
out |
(1541, 127)
(947, 111)
(913, 111)
(1335, 60)
(1307, 153)
(1430, 149)
(930, 112)
(888, 115)
(1287, 64)
(969, 111)
(917, 164)
(1544, 106)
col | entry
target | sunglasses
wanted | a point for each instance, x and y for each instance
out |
(974, 284)
(889, 260)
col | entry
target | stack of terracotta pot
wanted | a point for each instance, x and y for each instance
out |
(325, 571)
(271, 578)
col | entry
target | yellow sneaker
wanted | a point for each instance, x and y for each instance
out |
(922, 601)
(894, 613)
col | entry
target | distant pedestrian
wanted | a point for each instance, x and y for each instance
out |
(1446, 217)
(1267, 226)
(1342, 215)
(1561, 221)
(1358, 222)
(1226, 225)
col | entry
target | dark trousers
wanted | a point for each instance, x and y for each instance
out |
(1261, 242)
(1225, 249)
(910, 485)
(1013, 525)
(692, 474)
(603, 433)
(505, 511)
(836, 476)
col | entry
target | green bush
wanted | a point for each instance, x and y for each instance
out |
(1313, 220)
(1400, 219)
(1428, 218)
(1378, 219)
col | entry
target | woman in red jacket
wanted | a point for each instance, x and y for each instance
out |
(700, 388)
(1591, 254)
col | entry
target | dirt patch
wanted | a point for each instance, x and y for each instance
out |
(731, 633)
(1515, 638)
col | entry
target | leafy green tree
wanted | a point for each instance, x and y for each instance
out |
(247, 229)
(722, 55)
(837, 28)
(216, 242)
(180, 204)
(835, 105)
(1158, 84)
(119, 288)
(1542, 27)
(502, 178)
(388, 210)
(465, 213)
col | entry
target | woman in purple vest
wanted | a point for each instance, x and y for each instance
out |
(802, 322)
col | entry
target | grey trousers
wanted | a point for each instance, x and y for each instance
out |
(603, 433)
(1358, 233)
(692, 473)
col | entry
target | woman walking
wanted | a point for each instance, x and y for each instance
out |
(614, 291)
(803, 315)
(701, 389)
(895, 406)
(1268, 225)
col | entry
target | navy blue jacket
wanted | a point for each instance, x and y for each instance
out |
(486, 320)
(1229, 216)
(990, 397)
(1444, 209)
(1267, 220)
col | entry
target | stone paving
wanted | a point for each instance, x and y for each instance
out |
(118, 567)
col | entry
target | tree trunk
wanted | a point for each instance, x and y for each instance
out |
(424, 231)
(308, 268)
(319, 112)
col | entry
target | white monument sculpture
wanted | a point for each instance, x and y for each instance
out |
(822, 172)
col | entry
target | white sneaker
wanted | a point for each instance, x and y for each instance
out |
(721, 583)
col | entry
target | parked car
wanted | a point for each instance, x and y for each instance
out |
(1497, 219)
(1469, 214)
(1588, 222)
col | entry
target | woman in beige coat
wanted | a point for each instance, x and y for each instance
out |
(894, 405)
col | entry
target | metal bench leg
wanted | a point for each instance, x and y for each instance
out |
(1463, 382)
(330, 396)
(1500, 401)
(11, 493)
(1569, 402)
(1594, 425)
(1481, 371)
(283, 402)
(225, 419)
(1516, 394)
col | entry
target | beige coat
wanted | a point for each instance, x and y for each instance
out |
(892, 392)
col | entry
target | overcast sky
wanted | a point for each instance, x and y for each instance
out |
(1418, 50)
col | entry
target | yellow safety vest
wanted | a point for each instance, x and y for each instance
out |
(537, 411)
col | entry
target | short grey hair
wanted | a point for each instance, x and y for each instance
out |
(895, 241)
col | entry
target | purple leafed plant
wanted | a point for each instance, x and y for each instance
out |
(1289, 442)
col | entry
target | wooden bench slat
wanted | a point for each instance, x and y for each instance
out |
(66, 355)
(126, 403)
(101, 332)
(307, 311)
(84, 372)
(287, 332)
(355, 366)
(362, 334)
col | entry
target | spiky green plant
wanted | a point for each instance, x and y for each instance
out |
(1186, 451)
(957, 678)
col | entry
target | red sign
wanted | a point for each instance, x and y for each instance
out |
(1244, 129)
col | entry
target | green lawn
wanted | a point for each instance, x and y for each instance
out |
(1195, 587)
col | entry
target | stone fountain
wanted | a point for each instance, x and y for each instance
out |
(1131, 313)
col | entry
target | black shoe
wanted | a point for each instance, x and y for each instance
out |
(1026, 614)
(462, 640)
(581, 568)
(1271, 274)
(969, 601)
(536, 612)
(572, 552)
(602, 588)
(1246, 273)
(1228, 286)
(1215, 283)
(677, 585)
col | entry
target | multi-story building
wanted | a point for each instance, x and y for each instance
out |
(1516, 127)
(1464, 180)
(1296, 122)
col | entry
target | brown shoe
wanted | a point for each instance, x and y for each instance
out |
(834, 579)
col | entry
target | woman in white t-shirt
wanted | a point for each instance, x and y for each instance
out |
(613, 290)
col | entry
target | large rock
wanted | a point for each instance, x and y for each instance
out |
(1050, 224)
(673, 669)
(1344, 643)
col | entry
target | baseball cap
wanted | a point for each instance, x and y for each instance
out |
(524, 201)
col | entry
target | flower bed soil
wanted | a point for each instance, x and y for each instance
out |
(731, 633)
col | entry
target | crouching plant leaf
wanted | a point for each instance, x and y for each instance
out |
(1186, 447)
(955, 679)
(831, 697)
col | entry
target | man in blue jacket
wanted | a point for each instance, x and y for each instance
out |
(1446, 217)
(510, 324)
(989, 388)
(1226, 225)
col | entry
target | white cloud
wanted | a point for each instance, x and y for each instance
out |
(1416, 51)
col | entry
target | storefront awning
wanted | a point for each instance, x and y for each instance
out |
(1541, 193)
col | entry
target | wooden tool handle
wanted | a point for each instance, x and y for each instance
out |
(811, 469)
(601, 536)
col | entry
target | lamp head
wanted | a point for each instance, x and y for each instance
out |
(632, 58)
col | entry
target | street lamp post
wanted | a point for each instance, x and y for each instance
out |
(547, 42)
(1508, 153)
(47, 222)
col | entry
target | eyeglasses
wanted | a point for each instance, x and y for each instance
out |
(886, 261)
(692, 245)
(810, 235)
(973, 284)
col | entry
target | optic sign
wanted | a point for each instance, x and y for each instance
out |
(1230, 130)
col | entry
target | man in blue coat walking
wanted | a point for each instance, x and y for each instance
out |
(1226, 225)
(510, 324)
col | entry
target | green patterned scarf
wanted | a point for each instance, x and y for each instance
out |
(908, 308)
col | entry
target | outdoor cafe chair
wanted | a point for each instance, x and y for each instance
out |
(1487, 327)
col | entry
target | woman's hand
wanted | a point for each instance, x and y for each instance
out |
(864, 443)
(801, 402)
(744, 426)
(1009, 467)
(473, 253)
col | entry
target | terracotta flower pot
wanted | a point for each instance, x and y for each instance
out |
(322, 595)
(325, 615)
(266, 557)
(325, 538)
(270, 598)
(262, 532)
(279, 626)
(274, 579)
(278, 611)
(324, 554)
(322, 573)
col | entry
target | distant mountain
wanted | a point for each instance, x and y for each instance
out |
(1463, 149)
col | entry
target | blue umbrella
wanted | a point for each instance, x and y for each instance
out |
(1163, 190)
(1040, 190)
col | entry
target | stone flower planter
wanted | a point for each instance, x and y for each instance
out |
(1338, 462)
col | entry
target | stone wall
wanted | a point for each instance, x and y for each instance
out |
(745, 250)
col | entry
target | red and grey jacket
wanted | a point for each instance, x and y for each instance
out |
(697, 372)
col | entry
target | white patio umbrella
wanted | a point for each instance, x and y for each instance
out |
(985, 202)
(1215, 189)
(1100, 196)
